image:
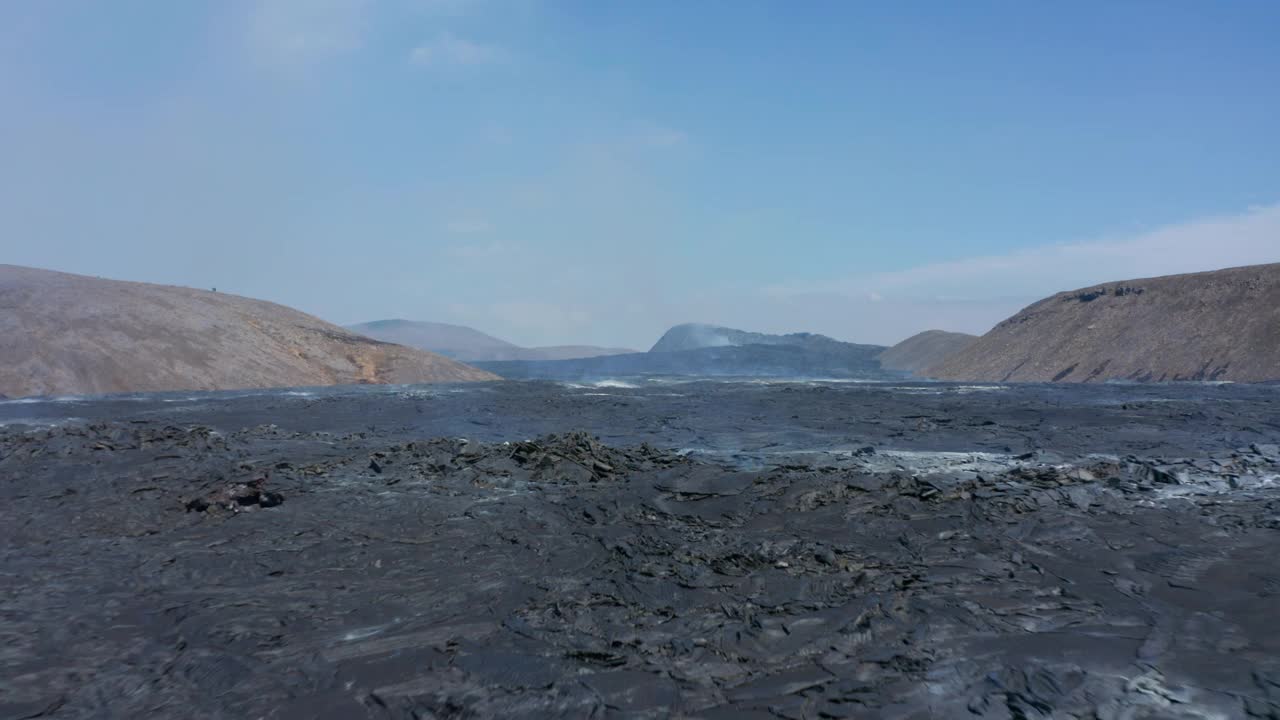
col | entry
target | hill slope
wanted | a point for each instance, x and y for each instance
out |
(924, 349)
(72, 334)
(467, 344)
(1220, 325)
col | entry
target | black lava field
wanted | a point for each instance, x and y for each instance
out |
(644, 550)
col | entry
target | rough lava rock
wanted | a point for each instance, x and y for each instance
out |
(1119, 562)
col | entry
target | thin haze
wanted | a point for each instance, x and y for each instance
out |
(586, 172)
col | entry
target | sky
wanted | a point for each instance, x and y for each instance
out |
(590, 172)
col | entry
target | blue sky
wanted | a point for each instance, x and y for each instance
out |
(556, 172)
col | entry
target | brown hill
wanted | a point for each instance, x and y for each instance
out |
(1220, 325)
(72, 334)
(924, 349)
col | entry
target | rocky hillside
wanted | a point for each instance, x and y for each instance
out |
(1220, 325)
(72, 334)
(924, 349)
(468, 344)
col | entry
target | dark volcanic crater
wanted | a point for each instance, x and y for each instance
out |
(706, 550)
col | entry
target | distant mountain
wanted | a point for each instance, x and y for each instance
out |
(567, 352)
(1220, 325)
(924, 350)
(456, 341)
(467, 344)
(709, 351)
(72, 334)
(693, 336)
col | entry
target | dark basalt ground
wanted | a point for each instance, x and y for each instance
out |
(697, 550)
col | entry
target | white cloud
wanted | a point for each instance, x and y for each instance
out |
(448, 50)
(468, 226)
(624, 146)
(300, 31)
(497, 135)
(1246, 238)
(443, 7)
(478, 251)
(662, 137)
(525, 321)
(551, 317)
(973, 294)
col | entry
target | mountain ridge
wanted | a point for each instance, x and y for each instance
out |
(924, 349)
(1214, 325)
(75, 334)
(694, 336)
(716, 355)
(468, 344)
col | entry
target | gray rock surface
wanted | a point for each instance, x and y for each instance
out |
(72, 334)
(1219, 325)
(722, 551)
